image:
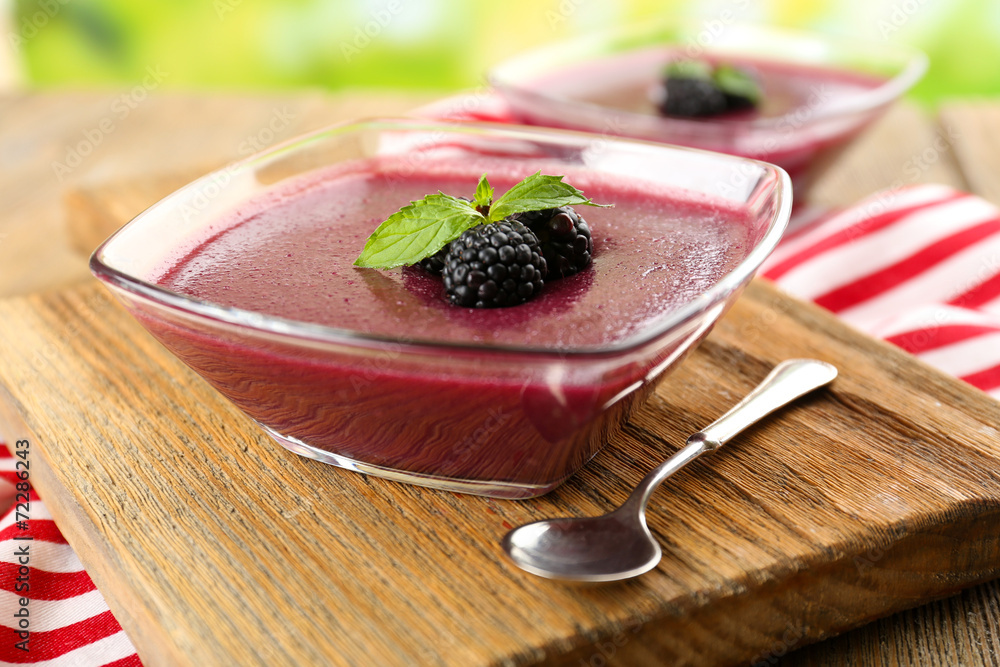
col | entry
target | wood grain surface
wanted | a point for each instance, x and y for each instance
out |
(906, 147)
(865, 499)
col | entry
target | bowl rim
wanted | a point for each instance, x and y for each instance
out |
(916, 64)
(299, 330)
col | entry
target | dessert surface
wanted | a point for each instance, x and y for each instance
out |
(290, 254)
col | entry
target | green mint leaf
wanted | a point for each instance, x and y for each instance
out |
(536, 193)
(417, 231)
(423, 227)
(484, 195)
(736, 82)
(689, 69)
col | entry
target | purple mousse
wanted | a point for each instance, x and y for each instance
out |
(292, 258)
(456, 393)
(804, 114)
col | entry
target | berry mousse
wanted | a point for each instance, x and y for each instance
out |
(488, 397)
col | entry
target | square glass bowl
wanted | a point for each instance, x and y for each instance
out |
(818, 91)
(497, 412)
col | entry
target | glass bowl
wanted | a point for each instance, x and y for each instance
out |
(818, 91)
(507, 402)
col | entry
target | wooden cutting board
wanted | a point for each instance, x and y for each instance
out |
(215, 546)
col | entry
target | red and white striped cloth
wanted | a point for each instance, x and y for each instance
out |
(919, 267)
(68, 623)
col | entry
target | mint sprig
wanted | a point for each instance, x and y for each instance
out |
(728, 79)
(423, 227)
(536, 193)
(418, 230)
(689, 69)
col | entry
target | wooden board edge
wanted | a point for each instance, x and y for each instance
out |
(720, 630)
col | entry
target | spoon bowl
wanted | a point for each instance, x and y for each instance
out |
(619, 545)
(602, 548)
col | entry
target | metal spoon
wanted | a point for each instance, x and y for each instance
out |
(619, 545)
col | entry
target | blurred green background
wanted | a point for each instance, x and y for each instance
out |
(433, 44)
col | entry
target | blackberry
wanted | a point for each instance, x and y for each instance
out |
(494, 265)
(435, 263)
(692, 98)
(735, 102)
(696, 89)
(564, 237)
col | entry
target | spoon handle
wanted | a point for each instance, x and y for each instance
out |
(786, 382)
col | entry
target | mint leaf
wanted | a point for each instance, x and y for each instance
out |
(418, 230)
(733, 81)
(423, 227)
(484, 195)
(689, 69)
(535, 193)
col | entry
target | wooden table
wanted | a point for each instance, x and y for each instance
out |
(50, 215)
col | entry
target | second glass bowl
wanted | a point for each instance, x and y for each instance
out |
(818, 91)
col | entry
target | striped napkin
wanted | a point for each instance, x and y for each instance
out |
(67, 623)
(918, 267)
